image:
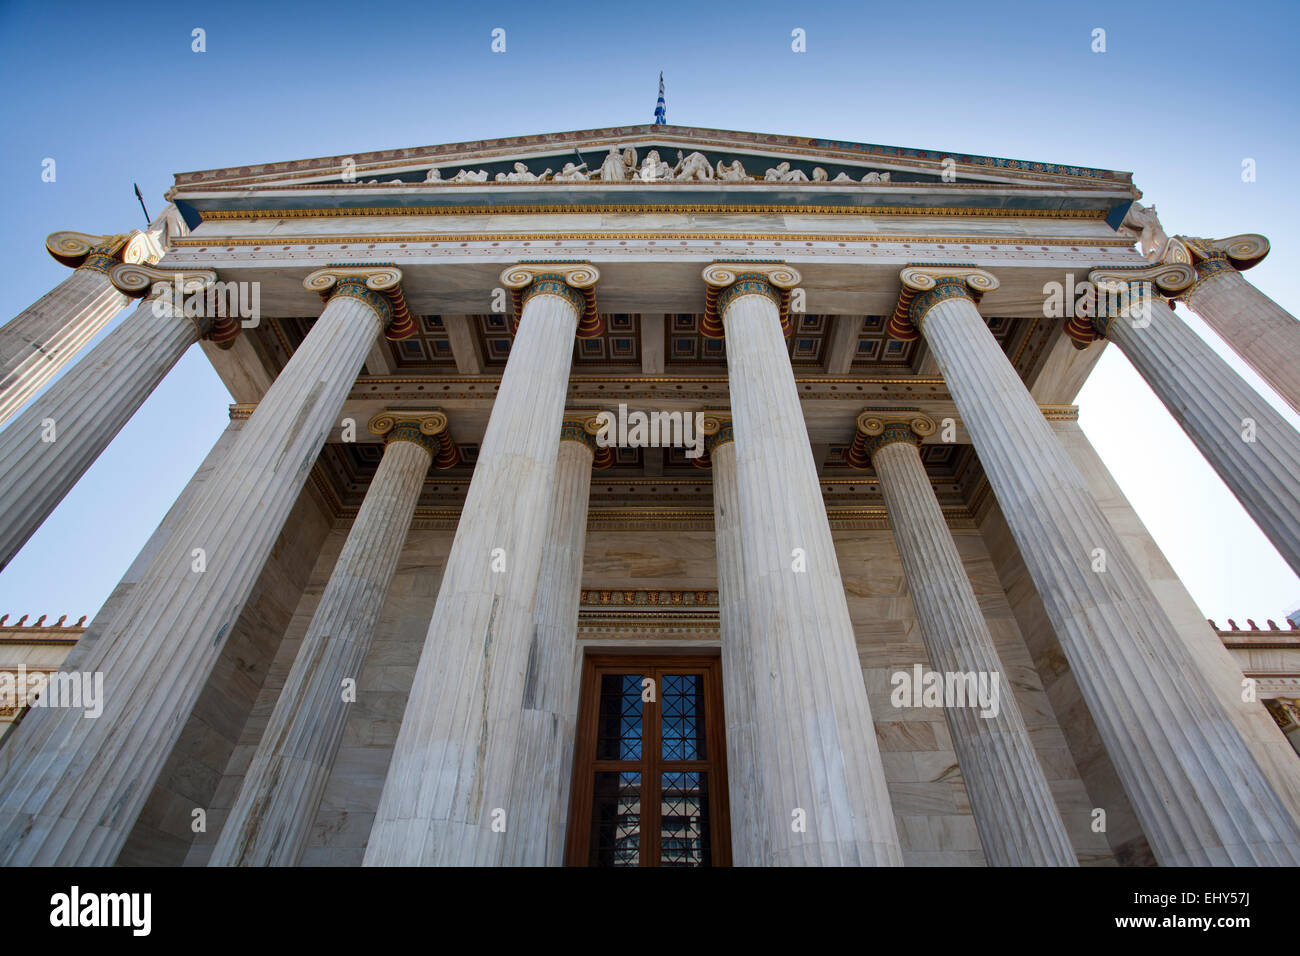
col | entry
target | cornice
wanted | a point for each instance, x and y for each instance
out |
(996, 212)
(480, 237)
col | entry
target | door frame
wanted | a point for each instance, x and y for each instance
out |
(596, 662)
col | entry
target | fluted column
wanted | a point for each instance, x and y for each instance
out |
(71, 788)
(823, 799)
(749, 840)
(1198, 792)
(1252, 448)
(48, 447)
(447, 798)
(1264, 334)
(1011, 801)
(550, 703)
(43, 338)
(271, 820)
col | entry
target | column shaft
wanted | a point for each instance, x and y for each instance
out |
(1254, 449)
(455, 754)
(1263, 333)
(1197, 791)
(750, 841)
(1012, 803)
(823, 799)
(88, 407)
(71, 787)
(550, 702)
(43, 338)
(272, 818)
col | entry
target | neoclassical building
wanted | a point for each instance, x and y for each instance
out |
(843, 584)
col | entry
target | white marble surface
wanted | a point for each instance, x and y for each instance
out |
(1263, 333)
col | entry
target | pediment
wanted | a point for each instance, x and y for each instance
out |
(655, 166)
(756, 152)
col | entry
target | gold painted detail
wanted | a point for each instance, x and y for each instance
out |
(1060, 413)
(139, 281)
(1243, 251)
(639, 599)
(1214, 257)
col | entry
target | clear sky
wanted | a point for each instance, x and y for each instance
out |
(114, 94)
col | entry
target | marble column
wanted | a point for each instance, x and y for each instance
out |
(71, 787)
(42, 339)
(550, 703)
(1264, 334)
(50, 445)
(1248, 443)
(1199, 794)
(271, 820)
(822, 799)
(1011, 801)
(749, 841)
(447, 798)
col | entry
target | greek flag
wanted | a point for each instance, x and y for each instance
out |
(661, 111)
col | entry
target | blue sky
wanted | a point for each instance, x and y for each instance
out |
(115, 95)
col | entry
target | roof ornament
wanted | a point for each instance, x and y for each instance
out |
(661, 111)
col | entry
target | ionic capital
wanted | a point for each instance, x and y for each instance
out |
(582, 427)
(573, 280)
(728, 279)
(144, 281)
(426, 427)
(876, 429)
(1214, 257)
(379, 286)
(925, 286)
(80, 250)
(1117, 292)
(188, 292)
(717, 430)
